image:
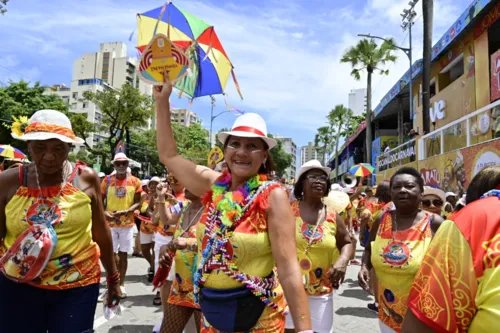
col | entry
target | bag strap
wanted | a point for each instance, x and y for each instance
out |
(106, 192)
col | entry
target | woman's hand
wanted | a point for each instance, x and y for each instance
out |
(364, 277)
(114, 293)
(109, 215)
(165, 258)
(162, 93)
(336, 274)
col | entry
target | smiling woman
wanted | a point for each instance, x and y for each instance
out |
(54, 230)
(243, 212)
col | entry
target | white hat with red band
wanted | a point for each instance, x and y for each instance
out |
(248, 125)
(120, 157)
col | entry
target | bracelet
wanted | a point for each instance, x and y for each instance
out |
(308, 331)
(113, 278)
(160, 202)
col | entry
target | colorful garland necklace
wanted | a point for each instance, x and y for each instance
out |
(224, 215)
(492, 193)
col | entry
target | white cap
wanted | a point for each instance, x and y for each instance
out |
(310, 165)
(101, 174)
(120, 157)
(336, 187)
(144, 182)
(155, 179)
(450, 194)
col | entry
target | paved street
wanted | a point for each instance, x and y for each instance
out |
(140, 315)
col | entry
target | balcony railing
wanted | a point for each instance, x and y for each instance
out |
(474, 128)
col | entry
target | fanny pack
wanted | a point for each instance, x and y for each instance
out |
(231, 310)
(30, 253)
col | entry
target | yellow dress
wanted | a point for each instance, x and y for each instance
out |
(251, 251)
(75, 260)
(457, 289)
(181, 293)
(323, 251)
(396, 257)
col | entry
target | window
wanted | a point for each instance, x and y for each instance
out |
(75, 95)
(73, 106)
(85, 105)
(432, 89)
(452, 72)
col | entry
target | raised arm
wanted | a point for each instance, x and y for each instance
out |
(197, 179)
(282, 235)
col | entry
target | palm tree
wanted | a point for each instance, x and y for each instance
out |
(323, 142)
(337, 118)
(367, 55)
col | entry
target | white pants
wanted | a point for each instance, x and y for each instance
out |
(123, 239)
(161, 240)
(384, 328)
(147, 238)
(321, 309)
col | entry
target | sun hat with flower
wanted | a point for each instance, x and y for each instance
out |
(248, 125)
(46, 125)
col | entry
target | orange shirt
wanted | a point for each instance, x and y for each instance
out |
(457, 288)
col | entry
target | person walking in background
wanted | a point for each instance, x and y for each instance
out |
(398, 242)
(433, 200)
(247, 228)
(323, 244)
(63, 288)
(122, 193)
(456, 288)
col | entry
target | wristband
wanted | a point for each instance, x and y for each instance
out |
(113, 278)
(160, 202)
(308, 331)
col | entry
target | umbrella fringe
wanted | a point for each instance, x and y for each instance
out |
(236, 83)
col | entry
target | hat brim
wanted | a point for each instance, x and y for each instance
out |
(120, 160)
(224, 135)
(434, 191)
(42, 136)
(303, 170)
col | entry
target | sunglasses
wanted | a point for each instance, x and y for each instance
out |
(119, 164)
(315, 178)
(435, 203)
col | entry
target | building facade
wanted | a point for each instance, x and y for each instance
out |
(109, 68)
(308, 153)
(357, 101)
(184, 117)
(290, 147)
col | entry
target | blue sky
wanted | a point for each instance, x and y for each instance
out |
(286, 53)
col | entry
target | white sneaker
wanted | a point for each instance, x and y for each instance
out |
(124, 292)
(102, 296)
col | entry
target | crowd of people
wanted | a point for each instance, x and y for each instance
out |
(243, 251)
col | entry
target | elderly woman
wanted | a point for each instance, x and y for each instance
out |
(456, 288)
(247, 227)
(323, 244)
(433, 200)
(64, 290)
(399, 240)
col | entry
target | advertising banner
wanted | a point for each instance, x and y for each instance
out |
(495, 76)
(402, 155)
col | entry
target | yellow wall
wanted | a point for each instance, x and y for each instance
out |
(482, 70)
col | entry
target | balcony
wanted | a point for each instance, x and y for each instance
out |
(472, 129)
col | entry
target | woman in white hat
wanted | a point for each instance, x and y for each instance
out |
(323, 244)
(433, 200)
(43, 202)
(245, 230)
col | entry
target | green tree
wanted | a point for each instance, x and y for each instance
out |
(3, 6)
(367, 55)
(21, 99)
(281, 158)
(338, 118)
(123, 109)
(323, 142)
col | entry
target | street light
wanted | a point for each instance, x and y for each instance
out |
(408, 17)
(212, 117)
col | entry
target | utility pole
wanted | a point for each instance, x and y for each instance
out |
(427, 7)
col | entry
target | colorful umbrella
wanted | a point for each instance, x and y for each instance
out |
(198, 39)
(361, 170)
(8, 151)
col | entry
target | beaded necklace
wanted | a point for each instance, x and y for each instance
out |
(492, 193)
(225, 210)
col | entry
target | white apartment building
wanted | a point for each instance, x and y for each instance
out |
(184, 117)
(109, 68)
(357, 101)
(290, 147)
(308, 153)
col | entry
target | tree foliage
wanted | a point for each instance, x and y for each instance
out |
(21, 99)
(324, 142)
(338, 118)
(3, 6)
(122, 109)
(368, 56)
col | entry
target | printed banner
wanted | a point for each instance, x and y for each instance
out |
(495, 76)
